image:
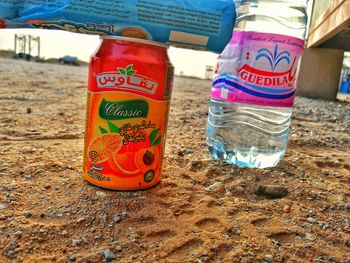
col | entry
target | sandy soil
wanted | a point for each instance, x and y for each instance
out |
(203, 211)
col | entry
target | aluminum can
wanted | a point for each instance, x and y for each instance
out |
(129, 92)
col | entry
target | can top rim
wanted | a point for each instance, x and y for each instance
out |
(135, 40)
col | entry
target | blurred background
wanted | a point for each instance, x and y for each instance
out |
(325, 68)
(57, 44)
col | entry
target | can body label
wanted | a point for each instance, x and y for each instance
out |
(125, 129)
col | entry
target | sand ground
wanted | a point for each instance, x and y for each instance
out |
(203, 211)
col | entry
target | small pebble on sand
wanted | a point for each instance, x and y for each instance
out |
(286, 209)
(27, 214)
(214, 186)
(108, 255)
(76, 242)
(271, 191)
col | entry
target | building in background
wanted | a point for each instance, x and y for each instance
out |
(344, 90)
(328, 38)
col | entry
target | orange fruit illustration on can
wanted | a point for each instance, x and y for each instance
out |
(102, 147)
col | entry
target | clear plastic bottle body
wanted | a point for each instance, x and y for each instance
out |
(251, 135)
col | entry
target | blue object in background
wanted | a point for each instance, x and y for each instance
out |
(345, 87)
(200, 24)
(69, 60)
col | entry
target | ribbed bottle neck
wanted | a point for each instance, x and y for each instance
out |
(285, 17)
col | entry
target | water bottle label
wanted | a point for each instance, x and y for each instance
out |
(259, 69)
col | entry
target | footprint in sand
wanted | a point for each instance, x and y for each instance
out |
(161, 234)
(260, 222)
(186, 247)
(283, 237)
(184, 215)
(207, 222)
(327, 165)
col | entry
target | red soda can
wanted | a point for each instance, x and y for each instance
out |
(129, 92)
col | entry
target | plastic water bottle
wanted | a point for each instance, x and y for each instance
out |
(254, 87)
